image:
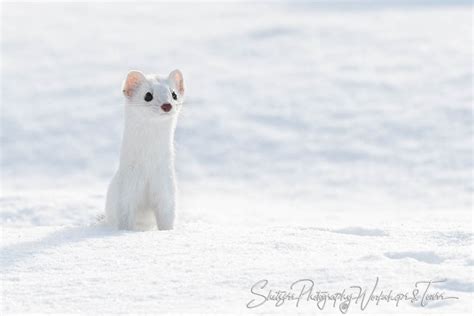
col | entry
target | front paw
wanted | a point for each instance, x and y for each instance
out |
(165, 220)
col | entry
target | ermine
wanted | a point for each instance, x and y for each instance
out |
(142, 193)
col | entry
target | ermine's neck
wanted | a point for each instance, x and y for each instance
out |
(147, 141)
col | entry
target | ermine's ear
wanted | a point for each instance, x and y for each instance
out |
(132, 82)
(176, 77)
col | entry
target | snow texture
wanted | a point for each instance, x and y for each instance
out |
(330, 142)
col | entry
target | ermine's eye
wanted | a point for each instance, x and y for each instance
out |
(148, 97)
(173, 94)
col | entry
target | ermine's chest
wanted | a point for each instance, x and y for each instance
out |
(147, 148)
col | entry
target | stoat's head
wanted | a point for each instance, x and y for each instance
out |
(154, 95)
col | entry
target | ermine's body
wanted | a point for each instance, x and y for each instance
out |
(142, 193)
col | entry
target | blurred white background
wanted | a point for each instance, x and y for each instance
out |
(366, 103)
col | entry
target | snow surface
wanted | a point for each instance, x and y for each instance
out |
(329, 142)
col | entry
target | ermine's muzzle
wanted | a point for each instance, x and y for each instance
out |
(166, 107)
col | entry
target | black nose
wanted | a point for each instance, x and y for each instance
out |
(166, 107)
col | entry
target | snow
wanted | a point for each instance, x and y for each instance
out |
(321, 141)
